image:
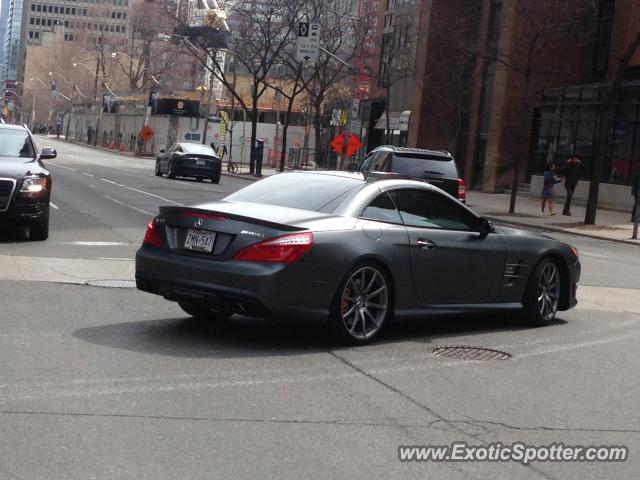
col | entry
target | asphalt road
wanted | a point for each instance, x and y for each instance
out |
(112, 383)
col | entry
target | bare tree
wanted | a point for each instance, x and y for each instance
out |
(146, 52)
(261, 32)
(602, 137)
(333, 69)
(542, 26)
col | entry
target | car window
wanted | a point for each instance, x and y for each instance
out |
(422, 208)
(382, 209)
(382, 162)
(304, 191)
(197, 149)
(16, 143)
(418, 165)
(366, 163)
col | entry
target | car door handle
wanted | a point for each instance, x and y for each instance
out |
(426, 243)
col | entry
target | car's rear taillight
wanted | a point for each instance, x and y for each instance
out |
(285, 249)
(152, 237)
(462, 190)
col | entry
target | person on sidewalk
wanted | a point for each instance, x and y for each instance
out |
(547, 189)
(571, 174)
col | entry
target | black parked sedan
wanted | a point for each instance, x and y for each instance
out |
(189, 160)
(336, 246)
(25, 183)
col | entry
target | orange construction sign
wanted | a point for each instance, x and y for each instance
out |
(338, 143)
(353, 145)
(146, 133)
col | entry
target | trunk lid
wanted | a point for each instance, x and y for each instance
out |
(226, 228)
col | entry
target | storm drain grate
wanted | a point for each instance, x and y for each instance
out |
(464, 352)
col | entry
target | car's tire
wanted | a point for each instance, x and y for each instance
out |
(204, 313)
(157, 169)
(39, 231)
(170, 171)
(362, 305)
(215, 179)
(542, 294)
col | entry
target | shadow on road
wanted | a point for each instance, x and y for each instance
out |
(247, 337)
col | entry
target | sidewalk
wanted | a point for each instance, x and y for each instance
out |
(611, 225)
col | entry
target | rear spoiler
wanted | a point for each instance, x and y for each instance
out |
(231, 216)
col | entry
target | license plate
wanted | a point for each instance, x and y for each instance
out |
(200, 240)
(201, 162)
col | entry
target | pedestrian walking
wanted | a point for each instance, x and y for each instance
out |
(571, 174)
(548, 194)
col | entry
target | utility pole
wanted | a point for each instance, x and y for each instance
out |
(98, 99)
(208, 111)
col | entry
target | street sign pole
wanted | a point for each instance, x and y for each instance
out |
(636, 217)
(308, 46)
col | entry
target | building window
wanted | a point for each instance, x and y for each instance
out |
(32, 21)
(55, 9)
(33, 7)
(49, 22)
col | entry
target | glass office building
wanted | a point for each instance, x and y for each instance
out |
(566, 124)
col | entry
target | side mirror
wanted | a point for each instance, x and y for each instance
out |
(484, 227)
(48, 153)
(162, 150)
(352, 167)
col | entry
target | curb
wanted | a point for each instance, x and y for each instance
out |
(561, 230)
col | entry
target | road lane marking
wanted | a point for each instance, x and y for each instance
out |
(130, 206)
(137, 190)
(54, 206)
(591, 254)
(87, 174)
(112, 182)
(98, 244)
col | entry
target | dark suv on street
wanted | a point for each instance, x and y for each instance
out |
(432, 166)
(25, 184)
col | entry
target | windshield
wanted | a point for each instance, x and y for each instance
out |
(419, 165)
(16, 143)
(297, 190)
(197, 149)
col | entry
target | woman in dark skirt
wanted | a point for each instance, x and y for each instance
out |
(547, 189)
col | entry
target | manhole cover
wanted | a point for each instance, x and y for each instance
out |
(463, 352)
(112, 283)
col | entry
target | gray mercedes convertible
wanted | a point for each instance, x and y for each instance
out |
(352, 251)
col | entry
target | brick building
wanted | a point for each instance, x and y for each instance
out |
(470, 98)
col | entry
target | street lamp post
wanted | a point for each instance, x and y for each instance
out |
(51, 74)
(98, 98)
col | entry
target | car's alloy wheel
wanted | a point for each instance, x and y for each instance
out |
(542, 296)
(549, 291)
(171, 173)
(157, 170)
(362, 305)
